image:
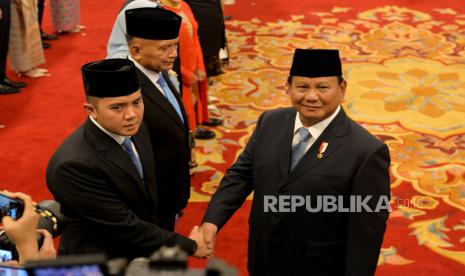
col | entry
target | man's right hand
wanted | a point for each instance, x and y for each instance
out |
(209, 231)
(198, 237)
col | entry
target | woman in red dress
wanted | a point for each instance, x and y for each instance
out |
(194, 82)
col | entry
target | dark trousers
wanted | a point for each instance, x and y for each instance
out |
(4, 37)
(40, 7)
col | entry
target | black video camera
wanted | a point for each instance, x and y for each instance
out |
(173, 261)
(51, 220)
(165, 261)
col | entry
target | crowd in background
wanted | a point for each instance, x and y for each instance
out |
(23, 40)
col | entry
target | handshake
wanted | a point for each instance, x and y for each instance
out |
(205, 237)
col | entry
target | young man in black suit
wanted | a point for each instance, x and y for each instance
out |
(103, 174)
(299, 156)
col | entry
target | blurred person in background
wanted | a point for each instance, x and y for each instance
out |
(7, 86)
(212, 33)
(66, 15)
(25, 45)
(40, 16)
(212, 36)
(193, 75)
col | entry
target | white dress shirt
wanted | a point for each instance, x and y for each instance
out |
(151, 75)
(315, 130)
(118, 138)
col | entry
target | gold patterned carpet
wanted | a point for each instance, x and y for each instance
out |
(406, 84)
(405, 65)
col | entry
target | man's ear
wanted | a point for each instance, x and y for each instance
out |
(288, 87)
(91, 110)
(343, 87)
(134, 50)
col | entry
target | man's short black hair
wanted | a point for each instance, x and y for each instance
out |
(129, 38)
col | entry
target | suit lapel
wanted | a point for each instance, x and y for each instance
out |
(148, 165)
(113, 152)
(151, 92)
(178, 95)
(331, 135)
(284, 145)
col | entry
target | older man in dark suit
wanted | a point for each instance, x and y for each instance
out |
(320, 181)
(153, 41)
(103, 175)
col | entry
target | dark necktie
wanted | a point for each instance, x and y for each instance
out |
(298, 150)
(127, 146)
(170, 96)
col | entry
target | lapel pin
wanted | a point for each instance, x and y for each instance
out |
(322, 149)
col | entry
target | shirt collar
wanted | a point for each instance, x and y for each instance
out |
(152, 75)
(118, 138)
(317, 128)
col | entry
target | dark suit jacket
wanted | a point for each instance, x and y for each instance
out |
(169, 139)
(4, 35)
(305, 243)
(109, 208)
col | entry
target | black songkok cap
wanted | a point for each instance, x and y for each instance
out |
(152, 23)
(110, 78)
(315, 63)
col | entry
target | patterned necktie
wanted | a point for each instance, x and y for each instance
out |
(298, 150)
(170, 96)
(127, 146)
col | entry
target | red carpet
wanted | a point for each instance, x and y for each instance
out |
(381, 43)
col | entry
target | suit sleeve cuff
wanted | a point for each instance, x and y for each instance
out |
(188, 245)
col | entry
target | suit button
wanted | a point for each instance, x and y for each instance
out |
(282, 190)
